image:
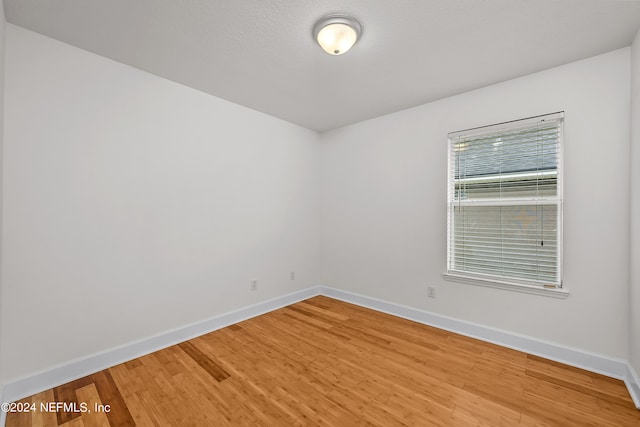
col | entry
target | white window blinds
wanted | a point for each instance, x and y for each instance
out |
(505, 202)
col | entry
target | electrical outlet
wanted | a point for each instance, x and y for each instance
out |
(431, 291)
(292, 275)
(254, 285)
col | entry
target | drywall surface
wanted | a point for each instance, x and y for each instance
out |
(2, 48)
(634, 282)
(134, 205)
(383, 198)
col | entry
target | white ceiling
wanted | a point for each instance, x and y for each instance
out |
(260, 53)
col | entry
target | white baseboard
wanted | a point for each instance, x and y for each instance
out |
(82, 367)
(616, 368)
(633, 385)
(611, 367)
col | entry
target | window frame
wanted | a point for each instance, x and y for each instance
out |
(497, 281)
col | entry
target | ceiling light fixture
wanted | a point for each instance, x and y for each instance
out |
(337, 33)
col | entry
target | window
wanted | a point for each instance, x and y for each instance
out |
(505, 203)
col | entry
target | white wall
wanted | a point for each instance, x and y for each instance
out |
(635, 206)
(134, 205)
(2, 48)
(383, 199)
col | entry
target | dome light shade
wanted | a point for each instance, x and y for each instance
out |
(337, 33)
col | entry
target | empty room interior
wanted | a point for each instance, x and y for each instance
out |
(320, 213)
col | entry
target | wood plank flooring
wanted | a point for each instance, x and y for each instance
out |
(323, 362)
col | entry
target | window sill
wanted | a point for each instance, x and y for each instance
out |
(515, 287)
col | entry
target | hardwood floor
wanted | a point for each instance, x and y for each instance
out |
(323, 362)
